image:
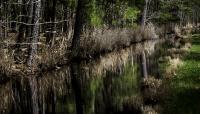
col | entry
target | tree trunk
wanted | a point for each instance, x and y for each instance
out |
(1, 19)
(81, 20)
(53, 25)
(29, 28)
(19, 55)
(35, 36)
(144, 15)
(1, 32)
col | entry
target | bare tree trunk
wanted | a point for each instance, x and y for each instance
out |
(35, 36)
(1, 20)
(29, 29)
(1, 32)
(19, 54)
(144, 16)
(81, 19)
(53, 25)
(36, 5)
(5, 20)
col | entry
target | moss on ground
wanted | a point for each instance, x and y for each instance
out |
(184, 88)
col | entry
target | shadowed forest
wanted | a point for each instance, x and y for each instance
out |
(99, 57)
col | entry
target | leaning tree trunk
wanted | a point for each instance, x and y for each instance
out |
(35, 36)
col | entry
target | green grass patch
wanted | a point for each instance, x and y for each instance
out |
(195, 48)
(196, 40)
(184, 88)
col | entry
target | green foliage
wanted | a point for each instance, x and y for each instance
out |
(170, 11)
(96, 20)
(121, 13)
(131, 13)
(166, 17)
(70, 3)
(94, 13)
(96, 16)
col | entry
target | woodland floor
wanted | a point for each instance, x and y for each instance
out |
(184, 87)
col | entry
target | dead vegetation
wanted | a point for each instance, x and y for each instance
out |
(92, 42)
(108, 39)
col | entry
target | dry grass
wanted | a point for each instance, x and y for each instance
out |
(148, 33)
(105, 39)
(93, 42)
(47, 56)
(50, 56)
(109, 39)
(6, 61)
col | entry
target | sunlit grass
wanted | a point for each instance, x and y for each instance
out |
(184, 88)
(195, 48)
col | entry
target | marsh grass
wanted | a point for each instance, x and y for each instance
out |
(106, 39)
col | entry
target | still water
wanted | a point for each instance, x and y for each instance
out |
(107, 85)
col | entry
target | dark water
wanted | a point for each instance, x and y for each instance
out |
(107, 85)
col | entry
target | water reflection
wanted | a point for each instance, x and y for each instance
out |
(108, 85)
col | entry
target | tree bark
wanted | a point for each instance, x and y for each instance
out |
(19, 57)
(80, 21)
(144, 15)
(35, 36)
(29, 28)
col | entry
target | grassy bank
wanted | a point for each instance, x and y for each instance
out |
(184, 88)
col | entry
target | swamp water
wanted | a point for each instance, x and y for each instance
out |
(107, 85)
